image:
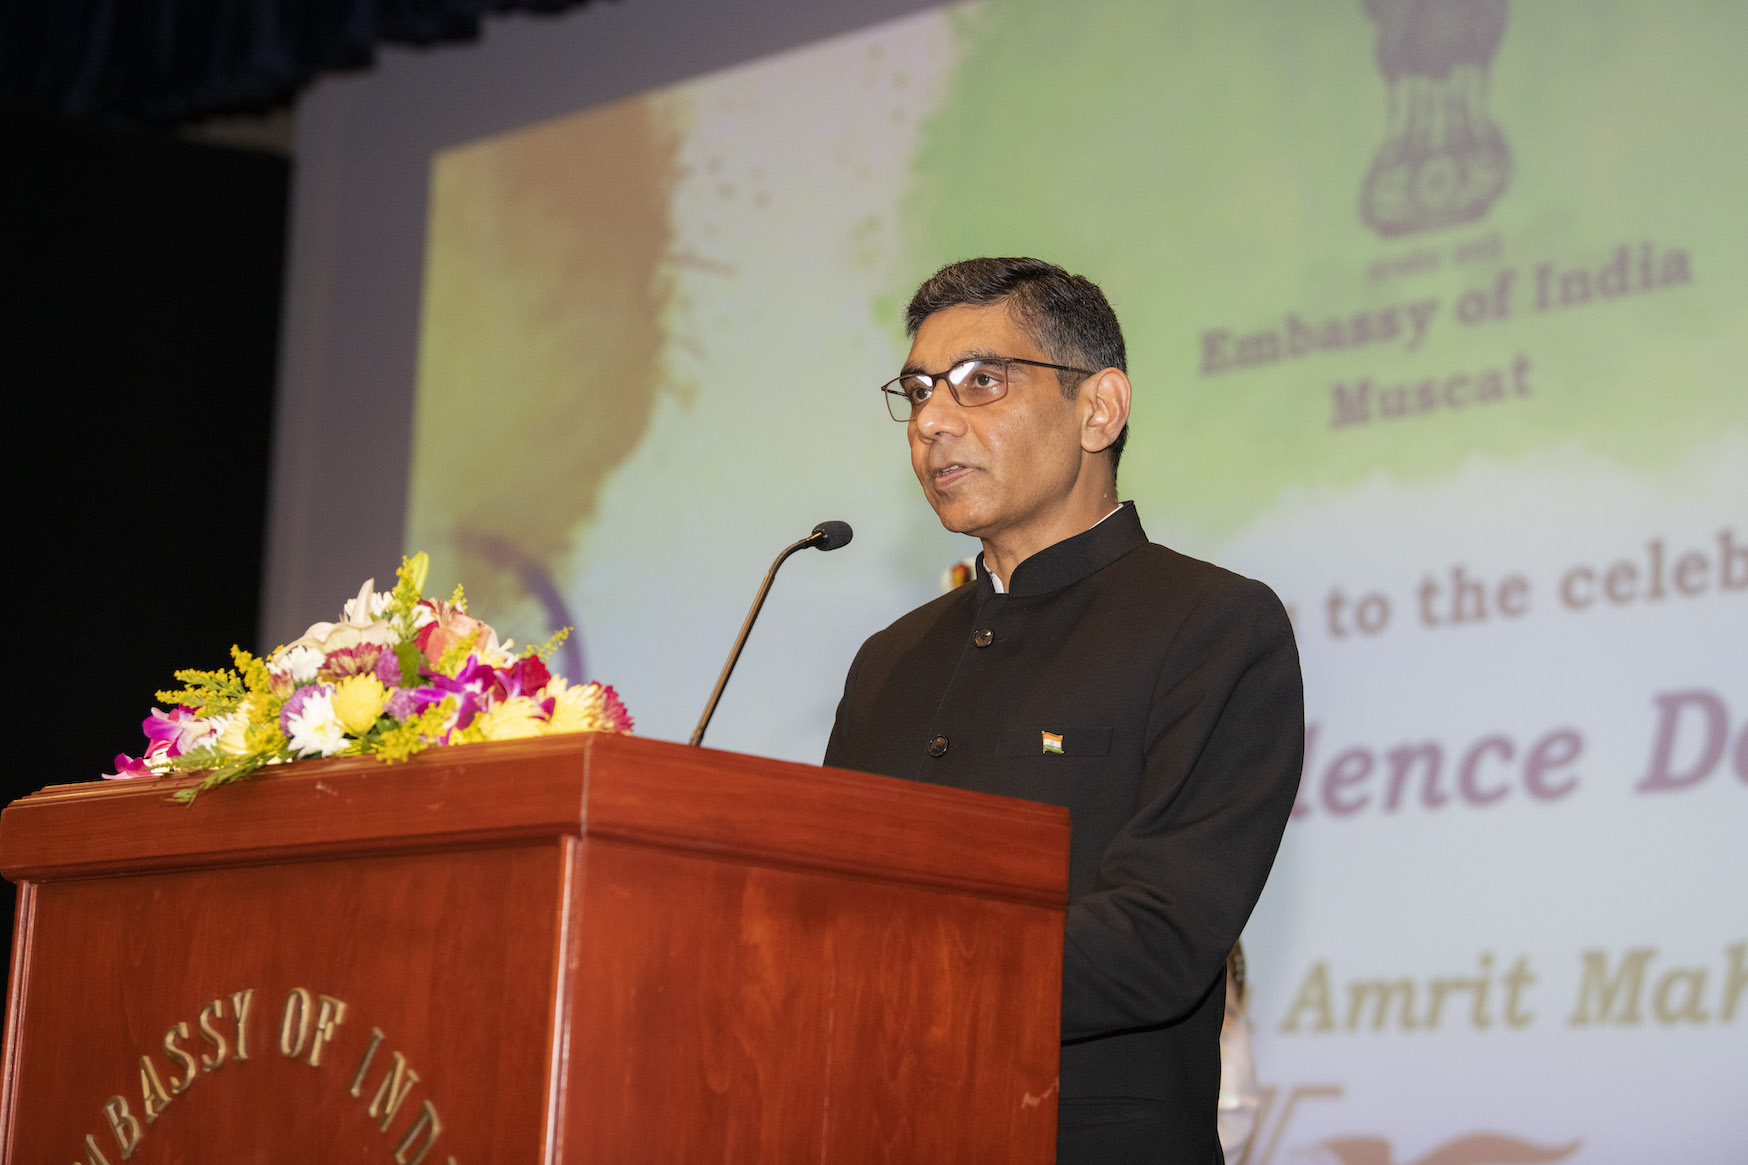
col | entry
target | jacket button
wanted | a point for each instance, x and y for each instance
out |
(938, 746)
(983, 637)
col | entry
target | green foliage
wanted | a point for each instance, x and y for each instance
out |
(411, 660)
(409, 583)
(451, 660)
(552, 644)
(209, 693)
(233, 768)
(400, 741)
(265, 737)
(253, 671)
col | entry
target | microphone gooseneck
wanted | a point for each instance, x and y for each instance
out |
(825, 536)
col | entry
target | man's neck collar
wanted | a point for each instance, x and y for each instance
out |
(1072, 559)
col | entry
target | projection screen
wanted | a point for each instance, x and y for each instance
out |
(1437, 315)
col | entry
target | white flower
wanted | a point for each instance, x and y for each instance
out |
(299, 662)
(360, 622)
(314, 728)
(493, 653)
(367, 607)
(408, 623)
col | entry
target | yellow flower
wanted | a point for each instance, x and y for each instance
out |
(580, 708)
(358, 701)
(516, 717)
(233, 740)
(415, 570)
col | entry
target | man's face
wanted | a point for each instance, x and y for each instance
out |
(1001, 471)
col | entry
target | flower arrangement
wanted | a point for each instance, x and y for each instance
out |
(397, 674)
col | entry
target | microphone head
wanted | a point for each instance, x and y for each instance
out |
(831, 535)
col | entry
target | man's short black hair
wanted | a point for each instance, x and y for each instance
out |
(1066, 315)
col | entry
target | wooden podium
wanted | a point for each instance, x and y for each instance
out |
(579, 949)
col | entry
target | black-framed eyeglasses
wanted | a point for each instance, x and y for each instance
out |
(980, 381)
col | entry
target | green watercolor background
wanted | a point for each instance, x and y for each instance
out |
(1204, 164)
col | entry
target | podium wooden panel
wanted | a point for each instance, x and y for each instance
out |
(582, 949)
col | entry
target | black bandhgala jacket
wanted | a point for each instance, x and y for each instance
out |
(1174, 686)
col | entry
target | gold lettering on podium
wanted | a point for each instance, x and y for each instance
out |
(240, 1001)
(310, 1024)
(430, 1125)
(376, 1038)
(185, 1061)
(297, 1004)
(123, 1124)
(153, 1097)
(330, 1013)
(396, 1083)
(212, 1011)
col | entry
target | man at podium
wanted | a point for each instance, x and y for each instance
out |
(1157, 697)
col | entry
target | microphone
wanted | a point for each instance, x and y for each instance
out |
(829, 536)
(825, 536)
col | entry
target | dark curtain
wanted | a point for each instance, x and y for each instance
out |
(161, 61)
(138, 349)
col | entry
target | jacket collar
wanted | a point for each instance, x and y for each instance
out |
(1072, 559)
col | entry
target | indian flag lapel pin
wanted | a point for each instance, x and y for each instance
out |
(1053, 742)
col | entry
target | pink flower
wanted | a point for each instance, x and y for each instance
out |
(362, 659)
(450, 625)
(614, 711)
(175, 733)
(406, 703)
(472, 687)
(523, 678)
(127, 769)
(588, 708)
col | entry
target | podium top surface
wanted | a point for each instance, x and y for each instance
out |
(595, 786)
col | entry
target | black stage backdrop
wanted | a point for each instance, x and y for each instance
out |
(138, 345)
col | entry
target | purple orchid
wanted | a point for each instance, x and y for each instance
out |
(472, 686)
(405, 703)
(523, 678)
(127, 768)
(173, 733)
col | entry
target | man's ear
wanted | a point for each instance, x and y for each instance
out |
(1104, 399)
